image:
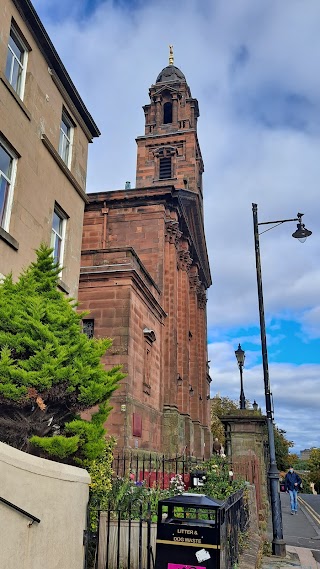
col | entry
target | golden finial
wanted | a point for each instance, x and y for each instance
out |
(171, 55)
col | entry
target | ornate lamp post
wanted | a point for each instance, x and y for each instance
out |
(301, 233)
(240, 355)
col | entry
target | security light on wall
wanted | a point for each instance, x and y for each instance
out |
(149, 335)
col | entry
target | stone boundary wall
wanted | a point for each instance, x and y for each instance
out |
(55, 493)
(250, 558)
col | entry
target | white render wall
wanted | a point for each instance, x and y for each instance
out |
(55, 493)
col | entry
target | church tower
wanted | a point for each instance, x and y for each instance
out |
(144, 276)
(169, 151)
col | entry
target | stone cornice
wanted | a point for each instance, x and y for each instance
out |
(99, 273)
(183, 202)
(130, 250)
(247, 417)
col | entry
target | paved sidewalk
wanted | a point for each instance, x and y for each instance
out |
(302, 536)
(296, 558)
(299, 530)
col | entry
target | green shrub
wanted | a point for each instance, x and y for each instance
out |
(219, 482)
(49, 369)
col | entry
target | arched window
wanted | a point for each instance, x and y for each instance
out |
(167, 113)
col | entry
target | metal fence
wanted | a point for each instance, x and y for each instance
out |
(128, 541)
(154, 469)
(236, 522)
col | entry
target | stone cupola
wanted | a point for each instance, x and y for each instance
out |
(169, 151)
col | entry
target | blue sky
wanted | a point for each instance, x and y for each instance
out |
(253, 66)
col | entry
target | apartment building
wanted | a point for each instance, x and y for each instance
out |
(45, 129)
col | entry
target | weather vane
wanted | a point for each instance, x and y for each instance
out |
(171, 55)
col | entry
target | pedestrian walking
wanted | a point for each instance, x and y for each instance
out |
(292, 485)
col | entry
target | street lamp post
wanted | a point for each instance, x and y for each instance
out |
(301, 233)
(240, 355)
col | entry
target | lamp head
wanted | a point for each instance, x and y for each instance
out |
(301, 232)
(240, 355)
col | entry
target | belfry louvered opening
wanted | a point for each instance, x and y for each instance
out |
(165, 169)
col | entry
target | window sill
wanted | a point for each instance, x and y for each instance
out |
(15, 96)
(62, 165)
(5, 236)
(62, 286)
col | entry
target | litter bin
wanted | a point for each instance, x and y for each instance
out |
(188, 532)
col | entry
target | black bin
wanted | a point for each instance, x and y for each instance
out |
(198, 478)
(188, 532)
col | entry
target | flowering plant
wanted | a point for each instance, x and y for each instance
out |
(177, 486)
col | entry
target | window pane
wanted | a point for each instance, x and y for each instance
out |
(66, 130)
(66, 150)
(64, 146)
(167, 113)
(9, 65)
(65, 127)
(57, 224)
(57, 249)
(5, 162)
(61, 143)
(16, 76)
(88, 327)
(4, 191)
(16, 48)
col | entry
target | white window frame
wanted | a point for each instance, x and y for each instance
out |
(14, 34)
(54, 234)
(7, 213)
(63, 138)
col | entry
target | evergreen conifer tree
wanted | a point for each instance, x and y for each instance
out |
(49, 369)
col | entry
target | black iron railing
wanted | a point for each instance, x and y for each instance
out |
(235, 523)
(20, 510)
(124, 543)
(127, 538)
(154, 469)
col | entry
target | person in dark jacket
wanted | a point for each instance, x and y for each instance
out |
(292, 484)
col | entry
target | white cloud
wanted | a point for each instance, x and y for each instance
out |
(295, 391)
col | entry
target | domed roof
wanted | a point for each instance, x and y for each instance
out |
(170, 73)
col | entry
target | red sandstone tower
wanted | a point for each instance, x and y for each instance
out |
(144, 276)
